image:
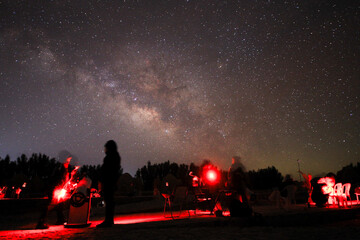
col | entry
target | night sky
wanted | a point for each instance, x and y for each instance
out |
(270, 81)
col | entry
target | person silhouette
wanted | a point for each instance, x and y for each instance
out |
(108, 179)
(237, 178)
(58, 178)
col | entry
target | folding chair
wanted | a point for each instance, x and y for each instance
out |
(336, 195)
(179, 197)
(357, 193)
(346, 193)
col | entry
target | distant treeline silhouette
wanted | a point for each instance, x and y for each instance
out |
(38, 172)
(261, 179)
(150, 172)
(349, 174)
(265, 178)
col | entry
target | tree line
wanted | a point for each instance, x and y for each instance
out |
(39, 170)
(38, 173)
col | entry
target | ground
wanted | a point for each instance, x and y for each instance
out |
(297, 222)
(185, 230)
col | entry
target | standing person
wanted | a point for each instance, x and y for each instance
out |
(108, 179)
(307, 185)
(287, 191)
(239, 205)
(237, 178)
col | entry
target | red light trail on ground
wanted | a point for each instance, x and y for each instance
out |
(61, 232)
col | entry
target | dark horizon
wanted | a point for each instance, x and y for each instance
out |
(75, 162)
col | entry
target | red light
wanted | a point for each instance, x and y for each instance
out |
(329, 187)
(195, 181)
(211, 175)
(59, 194)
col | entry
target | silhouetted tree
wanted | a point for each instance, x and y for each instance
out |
(195, 169)
(39, 166)
(150, 172)
(265, 178)
(7, 170)
(349, 174)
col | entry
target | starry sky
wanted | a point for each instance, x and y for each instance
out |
(270, 81)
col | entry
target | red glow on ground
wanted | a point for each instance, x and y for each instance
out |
(59, 232)
(52, 232)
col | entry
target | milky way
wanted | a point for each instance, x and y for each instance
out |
(183, 81)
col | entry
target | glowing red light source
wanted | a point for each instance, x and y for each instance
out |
(211, 175)
(59, 194)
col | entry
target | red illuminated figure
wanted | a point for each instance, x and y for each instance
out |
(330, 183)
(60, 191)
(332, 190)
(307, 185)
(196, 181)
